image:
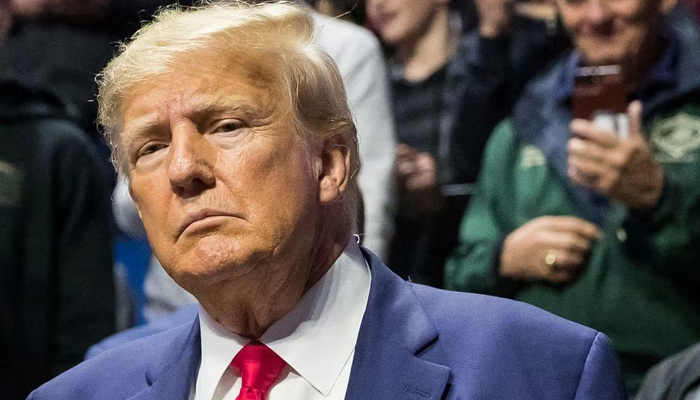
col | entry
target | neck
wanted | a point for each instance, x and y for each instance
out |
(426, 54)
(250, 304)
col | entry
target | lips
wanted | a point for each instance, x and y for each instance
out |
(201, 215)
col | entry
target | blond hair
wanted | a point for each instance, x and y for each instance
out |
(276, 33)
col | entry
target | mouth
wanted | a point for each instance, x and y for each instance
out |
(202, 217)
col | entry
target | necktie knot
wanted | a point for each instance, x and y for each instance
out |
(259, 367)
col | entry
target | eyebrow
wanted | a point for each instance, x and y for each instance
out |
(206, 105)
(199, 107)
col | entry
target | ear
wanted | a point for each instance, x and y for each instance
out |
(665, 6)
(334, 175)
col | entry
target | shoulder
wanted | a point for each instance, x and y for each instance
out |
(523, 347)
(497, 317)
(122, 371)
(503, 145)
(27, 108)
(676, 373)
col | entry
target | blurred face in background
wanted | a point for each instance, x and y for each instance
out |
(402, 21)
(613, 31)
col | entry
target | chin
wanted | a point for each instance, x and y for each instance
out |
(217, 258)
(603, 58)
(600, 52)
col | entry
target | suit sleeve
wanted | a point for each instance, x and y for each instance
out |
(601, 378)
(473, 266)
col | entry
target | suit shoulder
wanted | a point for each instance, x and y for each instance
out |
(122, 371)
(528, 346)
(514, 320)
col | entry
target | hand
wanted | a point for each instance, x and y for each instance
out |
(417, 176)
(623, 169)
(416, 170)
(548, 248)
(494, 16)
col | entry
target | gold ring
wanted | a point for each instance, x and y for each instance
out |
(551, 259)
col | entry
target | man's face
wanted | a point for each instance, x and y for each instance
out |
(610, 32)
(223, 183)
(400, 21)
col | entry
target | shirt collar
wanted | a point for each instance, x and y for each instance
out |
(316, 338)
(663, 73)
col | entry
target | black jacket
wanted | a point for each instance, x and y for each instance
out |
(56, 279)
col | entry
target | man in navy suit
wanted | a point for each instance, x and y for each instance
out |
(234, 131)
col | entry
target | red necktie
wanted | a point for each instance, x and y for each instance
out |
(259, 367)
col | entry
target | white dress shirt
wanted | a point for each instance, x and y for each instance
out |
(316, 339)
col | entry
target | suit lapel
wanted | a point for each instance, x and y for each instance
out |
(394, 331)
(172, 376)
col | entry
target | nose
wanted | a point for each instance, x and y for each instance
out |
(190, 163)
(597, 11)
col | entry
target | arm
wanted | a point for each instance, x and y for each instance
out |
(601, 378)
(657, 188)
(84, 304)
(671, 230)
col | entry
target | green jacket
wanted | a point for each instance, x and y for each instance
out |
(642, 282)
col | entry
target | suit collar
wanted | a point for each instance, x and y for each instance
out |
(172, 377)
(394, 331)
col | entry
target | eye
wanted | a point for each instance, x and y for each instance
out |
(150, 148)
(228, 126)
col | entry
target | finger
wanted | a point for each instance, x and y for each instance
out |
(588, 149)
(575, 225)
(405, 168)
(421, 180)
(405, 151)
(425, 162)
(568, 243)
(586, 130)
(590, 166)
(567, 267)
(568, 260)
(589, 181)
(634, 113)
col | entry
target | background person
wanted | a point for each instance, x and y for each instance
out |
(450, 88)
(593, 227)
(56, 280)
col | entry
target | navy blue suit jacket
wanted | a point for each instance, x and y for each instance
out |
(415, 343)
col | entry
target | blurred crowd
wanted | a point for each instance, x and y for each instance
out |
(479, 170)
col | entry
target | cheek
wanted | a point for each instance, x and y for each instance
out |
(151, 199)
